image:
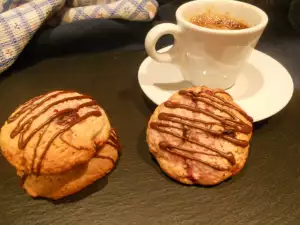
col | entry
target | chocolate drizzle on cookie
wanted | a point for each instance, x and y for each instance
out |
(65, 118)
(166, 146)
(26, 125)
(113, 140)
(224, 127)
(215, 99)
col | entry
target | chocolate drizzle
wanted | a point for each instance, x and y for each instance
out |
(23, 142)
(37, 145)
(105, 157)
(169, 147)
(212, 96)
(66, 118)
(26, 106)
(237, 124)
(112, 141)
(224, 127)
(23, 179)
(87, 115)
(20, 126)
(229, 156)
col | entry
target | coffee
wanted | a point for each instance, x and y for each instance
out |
(209, 57)
(219, 22)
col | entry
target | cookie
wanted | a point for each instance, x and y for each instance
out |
(54, 132)
(200, 136)
(59, 143)
(60, 185)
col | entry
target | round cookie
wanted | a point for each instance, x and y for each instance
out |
(60, 185)
(200, 136)
(54, 132)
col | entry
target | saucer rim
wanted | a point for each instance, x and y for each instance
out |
(289, 81)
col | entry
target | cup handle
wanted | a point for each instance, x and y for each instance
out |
(156, 33)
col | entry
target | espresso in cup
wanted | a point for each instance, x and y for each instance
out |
(219, 22)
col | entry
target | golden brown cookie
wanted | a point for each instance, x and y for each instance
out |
(59, 142)
(60, 185)
(200, 136)
(54, 132)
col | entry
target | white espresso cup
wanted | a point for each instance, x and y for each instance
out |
(205, 56)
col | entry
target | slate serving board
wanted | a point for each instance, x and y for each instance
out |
(136, 192)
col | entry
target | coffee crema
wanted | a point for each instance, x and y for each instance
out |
(219, 22)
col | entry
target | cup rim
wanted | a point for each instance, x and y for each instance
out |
(253, 29)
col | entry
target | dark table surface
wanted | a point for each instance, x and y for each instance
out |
(136, 192)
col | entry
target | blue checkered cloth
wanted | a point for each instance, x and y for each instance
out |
(20, 19)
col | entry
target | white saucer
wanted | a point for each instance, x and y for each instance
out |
(263, 89)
